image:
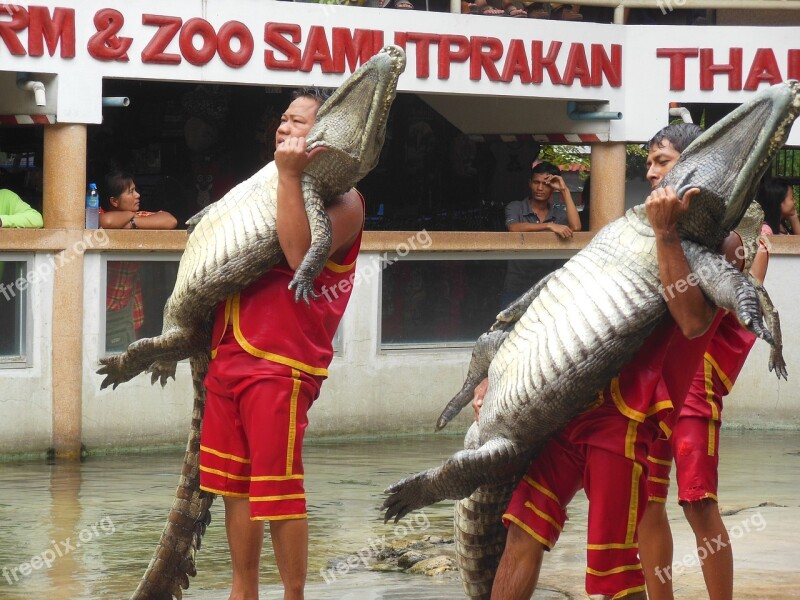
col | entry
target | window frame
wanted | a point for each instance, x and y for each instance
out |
(115, 256)
(389, 258)
(24, 360)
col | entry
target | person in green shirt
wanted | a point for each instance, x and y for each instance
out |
(15, 212)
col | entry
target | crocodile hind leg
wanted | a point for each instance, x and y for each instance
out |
(773, 322)
(457, 478)
(485, 348)
(174, 344)
(173, 561)
(511, 313)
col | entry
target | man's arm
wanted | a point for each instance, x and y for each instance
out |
(121, 219)
(535, 227)
(573, 218)
(692, 312)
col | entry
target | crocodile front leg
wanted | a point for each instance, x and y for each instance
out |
(457, 478)
(321, 239)
(726, 287)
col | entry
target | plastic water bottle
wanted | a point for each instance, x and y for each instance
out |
(92, 207)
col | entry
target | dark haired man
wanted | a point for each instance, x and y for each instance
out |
(695, 422)
(538, 212)
(269, 357)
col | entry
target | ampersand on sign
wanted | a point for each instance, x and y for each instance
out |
(105, 45)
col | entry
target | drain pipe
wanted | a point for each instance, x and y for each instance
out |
(116, 101)
(682, 112)
(24, 82)
(572, 113)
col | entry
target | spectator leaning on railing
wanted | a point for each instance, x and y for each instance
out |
(124, 304)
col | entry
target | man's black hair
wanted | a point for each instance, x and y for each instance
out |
(317, 93)
(545, 167)
(680, 135)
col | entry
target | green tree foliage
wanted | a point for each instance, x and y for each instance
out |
(566, 156)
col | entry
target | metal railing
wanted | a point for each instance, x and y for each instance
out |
(666, 6)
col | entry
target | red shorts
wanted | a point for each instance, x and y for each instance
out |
(695, 444)
(659, 465)
(615, 486)
(252, 436)
(696, 448)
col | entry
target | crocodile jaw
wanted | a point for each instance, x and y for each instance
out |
(727, 161)
(362, 103)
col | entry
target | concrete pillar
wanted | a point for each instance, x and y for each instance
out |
(64, 189)
(608, 184)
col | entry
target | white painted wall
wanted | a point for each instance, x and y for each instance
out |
(759, 399)
(26, 393)
(369, 392)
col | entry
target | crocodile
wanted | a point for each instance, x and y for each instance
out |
(479, 533)
(546, 360)
(232, 243)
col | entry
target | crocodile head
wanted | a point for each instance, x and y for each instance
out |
(351, 124)
(727, 161)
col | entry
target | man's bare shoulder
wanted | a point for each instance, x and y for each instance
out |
(349, 204)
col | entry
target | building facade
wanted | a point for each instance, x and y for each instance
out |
(185, 95)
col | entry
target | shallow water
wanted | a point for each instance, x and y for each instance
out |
(87, 531)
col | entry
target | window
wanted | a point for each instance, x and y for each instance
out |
(136, 292)
(436, 303)
(14, 311)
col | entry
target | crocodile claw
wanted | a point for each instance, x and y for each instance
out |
(112, 369)
(757, 327)
(777, 363)
(302, 289)
(161, 371)
(408, 494)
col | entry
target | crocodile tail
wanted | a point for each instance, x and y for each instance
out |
(480, 536)
(174, 559)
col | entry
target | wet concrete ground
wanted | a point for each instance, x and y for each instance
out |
(87, 531)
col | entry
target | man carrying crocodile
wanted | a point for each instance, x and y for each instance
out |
(604, 450)
(269, 357)
(546, 363)
(695, 429)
